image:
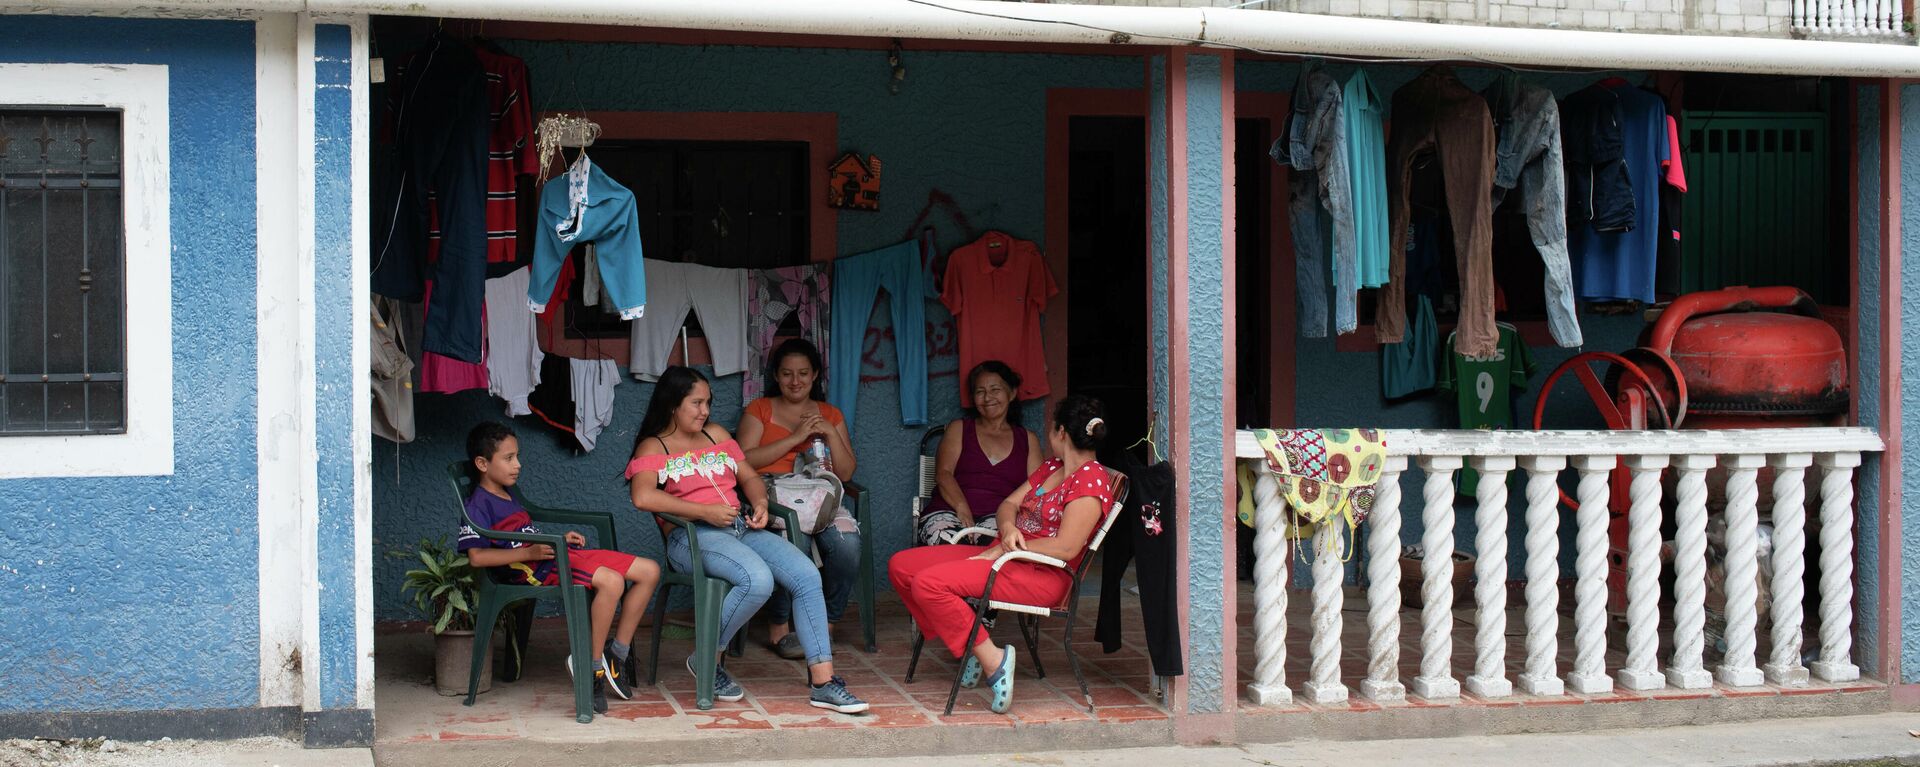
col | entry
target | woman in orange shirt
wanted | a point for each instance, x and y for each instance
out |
(773, 431)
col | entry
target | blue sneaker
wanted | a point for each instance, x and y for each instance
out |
(1002, 684)
(970, 672)
(724, 688)
(833, 696)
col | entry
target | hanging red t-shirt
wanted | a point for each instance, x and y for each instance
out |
(996, 287)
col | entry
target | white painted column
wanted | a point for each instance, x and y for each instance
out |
(1383, 588)
(1789, 567)
(1742, 585)
(1542, 677)
(1686, 670)
(1642, 670)
(1436, 680)
(1323, 675)
(1270, 553)
(1489, 678)
(1836, 568)
(1589, 675)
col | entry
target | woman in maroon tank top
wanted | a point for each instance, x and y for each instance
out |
(982, 458)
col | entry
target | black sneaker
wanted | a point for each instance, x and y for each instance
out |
(618, 683)
(599, 691)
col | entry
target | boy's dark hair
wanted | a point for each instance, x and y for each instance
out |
(482, 442)
(797, 347)
(1006, 373)
(1074, 413)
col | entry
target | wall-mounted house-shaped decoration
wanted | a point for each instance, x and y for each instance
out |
(853, 183)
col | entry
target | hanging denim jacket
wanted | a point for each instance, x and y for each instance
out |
(1527, 159)
(1314, 145)
(586, 206)
(1599, 185)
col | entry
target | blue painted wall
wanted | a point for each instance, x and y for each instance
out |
(141, 593)
(1867, 155)
(335, 380)
(963, 123)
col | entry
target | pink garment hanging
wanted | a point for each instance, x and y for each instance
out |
(445, 375)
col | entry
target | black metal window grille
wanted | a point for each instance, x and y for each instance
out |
(62, 273)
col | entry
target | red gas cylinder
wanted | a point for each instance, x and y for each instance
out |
(1754, 357)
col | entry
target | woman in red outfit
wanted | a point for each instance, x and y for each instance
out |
(1054, 514)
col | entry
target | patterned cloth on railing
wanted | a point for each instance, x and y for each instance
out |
(1324, 473)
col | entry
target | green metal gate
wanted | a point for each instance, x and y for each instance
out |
(1756, 207)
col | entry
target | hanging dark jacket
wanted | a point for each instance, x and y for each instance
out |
(1599, 184)
(1144, 535)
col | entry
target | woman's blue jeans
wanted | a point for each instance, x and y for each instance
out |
(755, 561)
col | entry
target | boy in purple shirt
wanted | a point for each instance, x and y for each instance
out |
(495, 454)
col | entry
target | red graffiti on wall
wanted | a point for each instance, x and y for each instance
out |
(943, 352)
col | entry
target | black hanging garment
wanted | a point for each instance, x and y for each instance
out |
(1144, 534)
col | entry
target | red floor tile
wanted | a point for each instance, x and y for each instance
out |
(895, 716)
(988, 719)
(1130, 714)
(633, 711)
(465, 736)
(1048, 711)
(688, 699)
(1111, 696)
(729, 720)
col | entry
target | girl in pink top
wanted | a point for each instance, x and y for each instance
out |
(689, 468)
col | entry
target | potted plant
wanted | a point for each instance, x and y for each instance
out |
(1413, 576)
(443, 588)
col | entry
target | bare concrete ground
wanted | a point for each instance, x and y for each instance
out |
(251, 752)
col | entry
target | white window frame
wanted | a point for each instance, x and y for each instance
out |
(140, 92)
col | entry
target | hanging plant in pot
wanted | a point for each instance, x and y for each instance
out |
(443, 588)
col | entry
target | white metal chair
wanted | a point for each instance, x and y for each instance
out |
(985, 607)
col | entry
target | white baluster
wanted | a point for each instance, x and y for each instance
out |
(1643, 575)
(1742, 583)
(1828, 24)
(1836, 568)
(1877, 16)
(1383, 589)
(1489, 679)
(1799, 14)
(1898, 24)
(1789, 567)
(1323, 676)
(1543, 574)
(1269, 593)
(1687, 669)
(1589, 675)
(1436, 680)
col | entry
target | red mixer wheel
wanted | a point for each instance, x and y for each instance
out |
(1581, 367)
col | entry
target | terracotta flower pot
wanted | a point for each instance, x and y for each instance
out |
(1412, 578)
(453, 661)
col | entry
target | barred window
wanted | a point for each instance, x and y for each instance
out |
(62, 261)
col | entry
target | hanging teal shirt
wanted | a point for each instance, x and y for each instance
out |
(1367, 161)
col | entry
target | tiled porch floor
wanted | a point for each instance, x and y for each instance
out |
(540, 706)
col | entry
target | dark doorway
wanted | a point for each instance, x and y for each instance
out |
(1253, 271)
(1107, 329)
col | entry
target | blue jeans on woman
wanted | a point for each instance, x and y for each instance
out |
(755, 561)
(839, 573)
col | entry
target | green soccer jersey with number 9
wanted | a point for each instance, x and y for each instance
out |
(1484, 388)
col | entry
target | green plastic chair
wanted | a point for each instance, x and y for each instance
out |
(857, 503)
(495, 597)
(708, 595)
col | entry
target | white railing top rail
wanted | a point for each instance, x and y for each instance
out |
(1470, 442)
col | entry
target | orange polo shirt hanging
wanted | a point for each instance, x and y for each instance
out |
(996, 287)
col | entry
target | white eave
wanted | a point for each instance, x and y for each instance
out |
(1267, 31)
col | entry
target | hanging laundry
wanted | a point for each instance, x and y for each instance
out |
(1615, 238)
(582, 206)
(1671, 192)
(1408, 367)
(1325, 474)
(1314, 144)
(803, 292)
(440, 134)
(717, 296)
(1528, 159)
(552, 398)
(593, 383)
(1484, 387)
(510, 154)
(513, 357)
(1365, 113)
(589, 276)
(441, 374)
(1145, 536)
(1436, 113)
(857, 282)
(997, 287)
(392, 375)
